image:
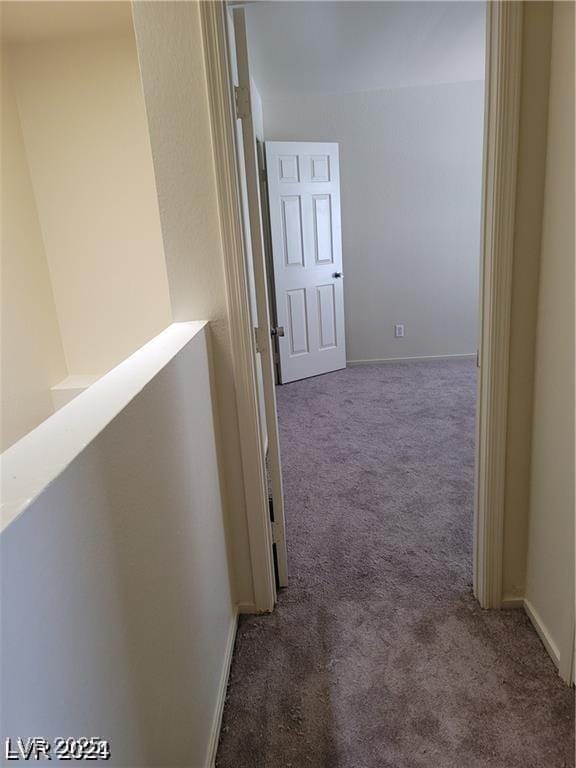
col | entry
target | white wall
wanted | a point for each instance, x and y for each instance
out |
(32, 354)
(169, 45)
(536, 41)
(84, 125)
(550, 564)
(116, 609)
(83, 274)
(410, 164)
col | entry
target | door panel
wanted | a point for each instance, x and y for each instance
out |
(327, 316)
(288, 167)
(292, 231)
(322, 229)
(320, 168)
(298, 322)
(304, 202)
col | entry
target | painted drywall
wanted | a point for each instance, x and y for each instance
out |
(32, 354)
(536, 42)
(84, 125)
(56, 19)
(550, 565)
(117, 620)
(169, 44)
(410, 166)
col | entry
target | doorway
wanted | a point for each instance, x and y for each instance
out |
(504, 23)
(411, 178)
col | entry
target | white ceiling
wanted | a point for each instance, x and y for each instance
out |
(334, 47)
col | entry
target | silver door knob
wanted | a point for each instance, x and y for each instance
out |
(277, 331)
(338, 274)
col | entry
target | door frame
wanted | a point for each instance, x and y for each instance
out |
(222, 119)
(500, 163)
(501, 122)
(254, 235)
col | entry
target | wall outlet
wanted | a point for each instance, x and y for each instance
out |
(399, 331)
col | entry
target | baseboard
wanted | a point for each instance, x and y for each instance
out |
(376, 361)
(543, 632)
(512, 602)
(221, 697)
(247, 608)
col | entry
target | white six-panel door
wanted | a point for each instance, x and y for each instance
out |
(304, 198)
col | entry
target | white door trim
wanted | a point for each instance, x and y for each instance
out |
(220, 95)
(254, 231)
(503, 62)
(502, 112)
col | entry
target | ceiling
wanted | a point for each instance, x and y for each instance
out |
(339, 47)
(49, 19)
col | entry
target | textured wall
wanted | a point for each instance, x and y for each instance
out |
(32, 354)
(86, 137)
(527, 237)
(171, 58)
(550, 566)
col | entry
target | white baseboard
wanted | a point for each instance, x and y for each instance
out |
(512, 602)
(247, 608)
(221, 697)
(543, 632)
(536, 620)
(376, 361)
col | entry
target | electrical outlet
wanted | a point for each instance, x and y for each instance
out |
(399, 331)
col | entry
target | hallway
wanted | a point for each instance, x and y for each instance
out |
(377, 655)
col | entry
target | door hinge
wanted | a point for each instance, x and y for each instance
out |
(242, 98)
(477, 358)
(263, 175)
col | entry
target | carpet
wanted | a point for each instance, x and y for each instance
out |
(377, 655)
